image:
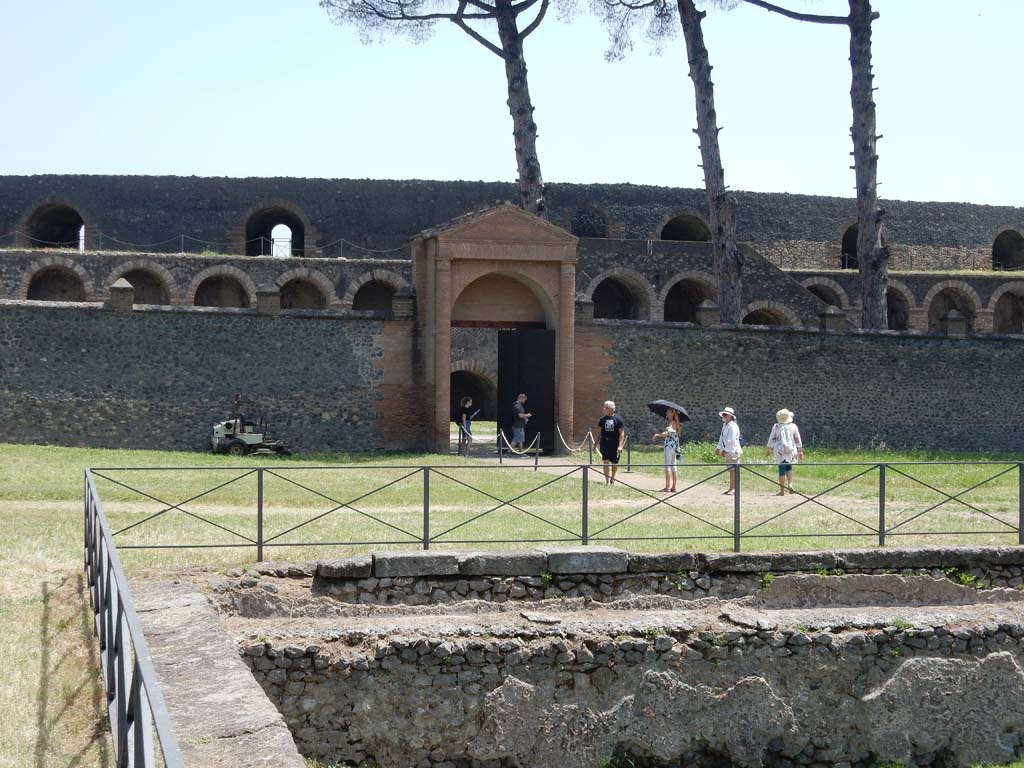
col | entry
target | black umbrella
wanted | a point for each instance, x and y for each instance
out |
(661, 407)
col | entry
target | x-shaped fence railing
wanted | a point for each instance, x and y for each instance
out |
(441, 524)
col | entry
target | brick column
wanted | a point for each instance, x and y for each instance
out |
(442, 352)
(565, 344)
(918, 320)
(984, 321)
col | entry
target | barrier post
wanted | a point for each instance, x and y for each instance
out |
(736, 512)
(629, 454)
(881, 505)
(1020, 503)
(426, 507)
(590, 447)
(536, 451)
(259, 515)
(585, 538)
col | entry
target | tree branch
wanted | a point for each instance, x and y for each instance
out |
(536, 22)
(811, 17)
(458, 18)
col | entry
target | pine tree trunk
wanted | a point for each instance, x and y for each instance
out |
(872, 252)
(721, 204)
(524, 129)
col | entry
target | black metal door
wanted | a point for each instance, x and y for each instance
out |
(526, 363)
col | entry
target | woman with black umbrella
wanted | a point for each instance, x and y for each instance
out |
(672, 435)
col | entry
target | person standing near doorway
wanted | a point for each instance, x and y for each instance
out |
(519, 419)
(464, 418)
(613, 440)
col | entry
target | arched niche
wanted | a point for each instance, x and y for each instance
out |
(149, 287)
(1008, 250)
(1008, 310)
(55, 225)
(684, 297)
(56, 283)
(260, 225)
(299, 293)
(222, 291)
(946, 299)
(769, 313)
(897, 310)
(374, 296)
(848, 255)
(688, 227)
(281, 241)
(499, 300)
(827, 294)
(589, 221)
(479, 386)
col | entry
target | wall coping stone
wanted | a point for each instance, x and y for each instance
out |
(358, 567)
(586, 559)
(642, 562)
(426, 563)
(529, 562)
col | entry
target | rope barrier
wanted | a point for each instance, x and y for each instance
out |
(588, 439)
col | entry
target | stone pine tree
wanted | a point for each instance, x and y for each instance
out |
(872, 251)
(477, 18)
(621, 17)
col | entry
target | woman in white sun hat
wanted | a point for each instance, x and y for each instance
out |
(788, 448)
(729, 447)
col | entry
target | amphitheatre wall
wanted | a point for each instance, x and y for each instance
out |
(158, 377)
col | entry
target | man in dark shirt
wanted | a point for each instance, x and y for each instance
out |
(613, 438)
(519, 419)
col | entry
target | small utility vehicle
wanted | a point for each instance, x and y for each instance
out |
(240, 436)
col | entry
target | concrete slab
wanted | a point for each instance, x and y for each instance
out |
(358, 567)
(420, 563)
(528, 562)
(586, 559)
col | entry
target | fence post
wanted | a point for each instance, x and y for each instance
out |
(1020, 503)
(536, 452)
(426, 507)
(586, 522)
(259, 515)
(590, 447)
(881, 505)
(629, 454)
(736, 512)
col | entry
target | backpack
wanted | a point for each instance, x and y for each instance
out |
(786, 440)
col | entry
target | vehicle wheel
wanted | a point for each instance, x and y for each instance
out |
(237, 448)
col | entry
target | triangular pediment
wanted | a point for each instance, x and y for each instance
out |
(505, 223)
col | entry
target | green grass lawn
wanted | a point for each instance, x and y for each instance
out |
(52, 699)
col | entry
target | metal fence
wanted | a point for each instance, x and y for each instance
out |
(558, 506)
(135, 705)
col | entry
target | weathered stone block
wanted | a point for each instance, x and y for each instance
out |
(585, 559)
(641, 562)
(524, 563)
(415, 564)
(122, 295)
(358, 567)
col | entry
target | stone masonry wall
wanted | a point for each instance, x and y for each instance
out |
(81, 375)
(572, 686)
(850, 389)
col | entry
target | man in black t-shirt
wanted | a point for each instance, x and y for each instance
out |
(613, 438)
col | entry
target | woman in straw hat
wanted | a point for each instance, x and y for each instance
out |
(785, 443)
(730, 447)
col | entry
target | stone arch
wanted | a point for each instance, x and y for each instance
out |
(899, 301)
(828, 290)
(57, 265)
(1007, 308)
(162, 286)
(951, 294)
(511, 298)
(621, 294)
(386, 276)
(1008, 250)
(769, 313)
(848, 248)
(223, 272)
(54, 223)
(689, 226)
(589, 220)
(254, 236)
(473, 378)
(297, 298)
(682, 294)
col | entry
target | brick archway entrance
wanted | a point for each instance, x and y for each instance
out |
(501, 268)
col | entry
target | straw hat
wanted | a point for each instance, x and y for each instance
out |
(784, 416)
(728, 411)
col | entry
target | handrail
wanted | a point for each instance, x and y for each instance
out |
(135, 703)
(744, 526)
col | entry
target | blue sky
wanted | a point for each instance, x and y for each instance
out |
(263, 88)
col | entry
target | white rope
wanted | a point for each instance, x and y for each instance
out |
(523, 452)
(588, 439)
